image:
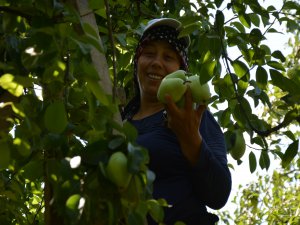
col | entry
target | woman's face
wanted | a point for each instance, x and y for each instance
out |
(157, 59)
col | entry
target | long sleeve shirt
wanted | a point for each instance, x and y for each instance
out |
(187, 189)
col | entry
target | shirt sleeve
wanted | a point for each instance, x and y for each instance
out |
(211, 176)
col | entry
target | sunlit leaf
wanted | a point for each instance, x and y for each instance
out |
(240, 68)
(73, 202)
(245, 20)
(276, 65)
(207, 71)
(8, 82)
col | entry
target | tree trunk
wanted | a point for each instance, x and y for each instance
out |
(98, 58)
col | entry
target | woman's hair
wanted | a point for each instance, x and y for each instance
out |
(159, 32)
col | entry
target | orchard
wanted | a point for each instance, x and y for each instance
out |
(66, 71)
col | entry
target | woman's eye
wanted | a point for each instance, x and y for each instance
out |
(148, 53)
(170, 57)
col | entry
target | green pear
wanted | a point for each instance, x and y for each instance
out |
(175, 87)
(177, 74)
(200, 93)
(238, 145)
(117, 170)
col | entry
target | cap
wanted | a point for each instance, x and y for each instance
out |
(167, 22)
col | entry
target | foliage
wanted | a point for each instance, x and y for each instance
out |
(54, 146)
(269, 200)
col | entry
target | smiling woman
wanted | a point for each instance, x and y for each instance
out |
(185, 144)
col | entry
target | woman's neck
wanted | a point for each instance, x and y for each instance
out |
(148, 109)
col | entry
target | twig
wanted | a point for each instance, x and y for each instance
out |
(111, 39)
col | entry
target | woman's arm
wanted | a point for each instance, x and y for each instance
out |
(204, 149)
(211, 175)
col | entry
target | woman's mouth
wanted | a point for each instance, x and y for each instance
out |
(154, 76)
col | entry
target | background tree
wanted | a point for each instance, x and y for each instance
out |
(62, 124)
(272, 199)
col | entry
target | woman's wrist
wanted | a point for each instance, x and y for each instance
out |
(191, 148)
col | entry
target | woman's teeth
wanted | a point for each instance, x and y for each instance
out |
(155, 77)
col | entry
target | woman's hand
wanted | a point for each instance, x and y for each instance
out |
(185, 123)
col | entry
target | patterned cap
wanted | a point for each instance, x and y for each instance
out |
(168, 34)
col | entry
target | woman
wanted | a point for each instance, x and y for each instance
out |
(187, 153)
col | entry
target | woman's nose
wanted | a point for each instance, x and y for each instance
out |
(157, 61)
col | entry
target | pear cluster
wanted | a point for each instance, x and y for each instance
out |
(175, 84)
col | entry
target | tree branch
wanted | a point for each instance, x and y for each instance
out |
(112, 43)
(262, 133)
(15, 11)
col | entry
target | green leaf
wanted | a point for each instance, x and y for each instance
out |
(276, 65)
(240, 68)
(290, 5)
(116, 142)
(239, 115)
(261, 77)
(8, 82)
(4, 155)
(252, 162)
(255, 37)
(278, 55)
(74, 207)
(33, 170)
(231, 31)
(255, 19)
(207, 71)
(283, 82)
(130, 131)
(264, 160)
(219, 23)
(136, 157)
(97, 90)
(239, 26)
(225, 117)
(187, 30)
(273, 30)
(218, 3)
(245, 20)
(155, 209)
(290, 135)
(290, 153)
(271, 8)
(55, 117)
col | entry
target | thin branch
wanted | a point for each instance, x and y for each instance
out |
(111, 39)
(15, 11)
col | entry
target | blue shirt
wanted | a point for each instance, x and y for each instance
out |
(188, 189)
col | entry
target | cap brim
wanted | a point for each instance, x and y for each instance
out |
(167, 22)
